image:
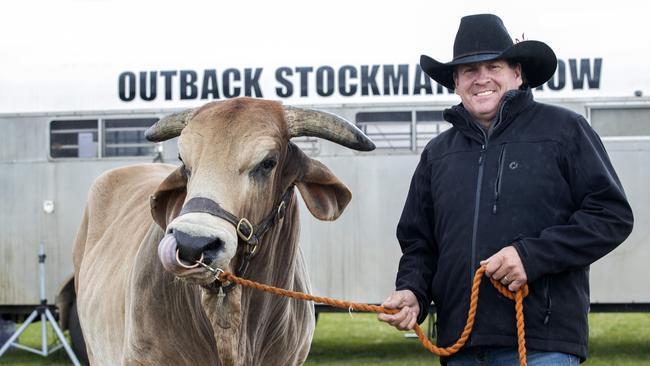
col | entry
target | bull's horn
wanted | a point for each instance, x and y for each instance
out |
(169, 126)
(309, 122)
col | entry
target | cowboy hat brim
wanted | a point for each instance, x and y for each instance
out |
(538, 63)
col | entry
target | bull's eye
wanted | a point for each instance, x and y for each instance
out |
(264, 168)
(268, 164)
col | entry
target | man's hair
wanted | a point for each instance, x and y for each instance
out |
(524, 81)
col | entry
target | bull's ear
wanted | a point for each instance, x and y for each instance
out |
(168, 199)
(324, 194)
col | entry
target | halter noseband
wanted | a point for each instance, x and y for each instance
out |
(248, 233)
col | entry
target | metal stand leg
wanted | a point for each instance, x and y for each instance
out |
(20, 331)
(46, 316)
(61, 337)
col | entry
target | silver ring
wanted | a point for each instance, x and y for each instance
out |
(178, 260)
(505, 278)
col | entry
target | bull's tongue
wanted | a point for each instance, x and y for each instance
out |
(167, 254)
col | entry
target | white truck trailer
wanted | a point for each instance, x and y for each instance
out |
(67, 116)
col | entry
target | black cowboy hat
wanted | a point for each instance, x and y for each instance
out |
(483, 37)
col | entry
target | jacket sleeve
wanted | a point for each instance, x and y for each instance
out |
(415, 235)
(603, 218)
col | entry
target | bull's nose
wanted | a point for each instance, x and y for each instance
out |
(191, 247)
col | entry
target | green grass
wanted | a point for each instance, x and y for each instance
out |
(361, 340)
(32, 338)
(619, 339)
(615, 339)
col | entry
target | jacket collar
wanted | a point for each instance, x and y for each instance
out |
(512, 103)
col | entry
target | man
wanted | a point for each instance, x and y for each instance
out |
(524, 188)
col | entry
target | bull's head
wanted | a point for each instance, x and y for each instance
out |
(238, 163)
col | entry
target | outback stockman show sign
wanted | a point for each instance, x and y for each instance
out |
(318, 82)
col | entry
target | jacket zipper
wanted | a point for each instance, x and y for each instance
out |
(549, 303)
(479, 182)
(497, 183)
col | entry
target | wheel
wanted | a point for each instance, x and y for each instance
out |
(76, 336)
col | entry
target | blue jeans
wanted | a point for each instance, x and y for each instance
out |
(506, 356)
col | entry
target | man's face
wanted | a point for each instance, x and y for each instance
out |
(481, 86)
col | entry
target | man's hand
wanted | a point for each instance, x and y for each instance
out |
(506, 266)
(408, 306)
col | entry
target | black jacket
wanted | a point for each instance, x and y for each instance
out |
(539, 179)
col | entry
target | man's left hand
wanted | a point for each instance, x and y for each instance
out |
(505, 266)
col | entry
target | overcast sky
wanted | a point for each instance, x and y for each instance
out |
(120, 31)
(49, 43)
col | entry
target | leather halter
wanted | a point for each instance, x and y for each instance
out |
(249, 234)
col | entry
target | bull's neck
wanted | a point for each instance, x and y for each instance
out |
(245, 313)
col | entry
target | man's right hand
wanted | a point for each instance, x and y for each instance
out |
(408, 306)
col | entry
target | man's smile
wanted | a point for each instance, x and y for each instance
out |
(484, 93)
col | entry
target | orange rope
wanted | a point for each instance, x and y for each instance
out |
(518, 297)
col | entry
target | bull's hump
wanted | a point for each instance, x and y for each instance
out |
(133, 175)
(133, 184)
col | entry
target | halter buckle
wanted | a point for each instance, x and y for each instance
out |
(248, 226)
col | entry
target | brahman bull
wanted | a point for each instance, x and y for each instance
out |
(143, 299)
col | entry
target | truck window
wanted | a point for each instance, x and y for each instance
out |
(73, 139)
(401, 130)
(100, 138)
(429, 125)
(125, 137)
(620, 121)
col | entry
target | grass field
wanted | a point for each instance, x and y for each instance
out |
(360, 340)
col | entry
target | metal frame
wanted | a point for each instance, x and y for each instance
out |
(45, 316)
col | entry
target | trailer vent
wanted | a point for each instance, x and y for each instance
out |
(73, 139)
(620, 121)
(100, 138)
(125, 137)
(401, 130)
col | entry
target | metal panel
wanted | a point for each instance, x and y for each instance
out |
(353, 258)
(24, 188)
(620, 277)
(356, 256)
(22, 138)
